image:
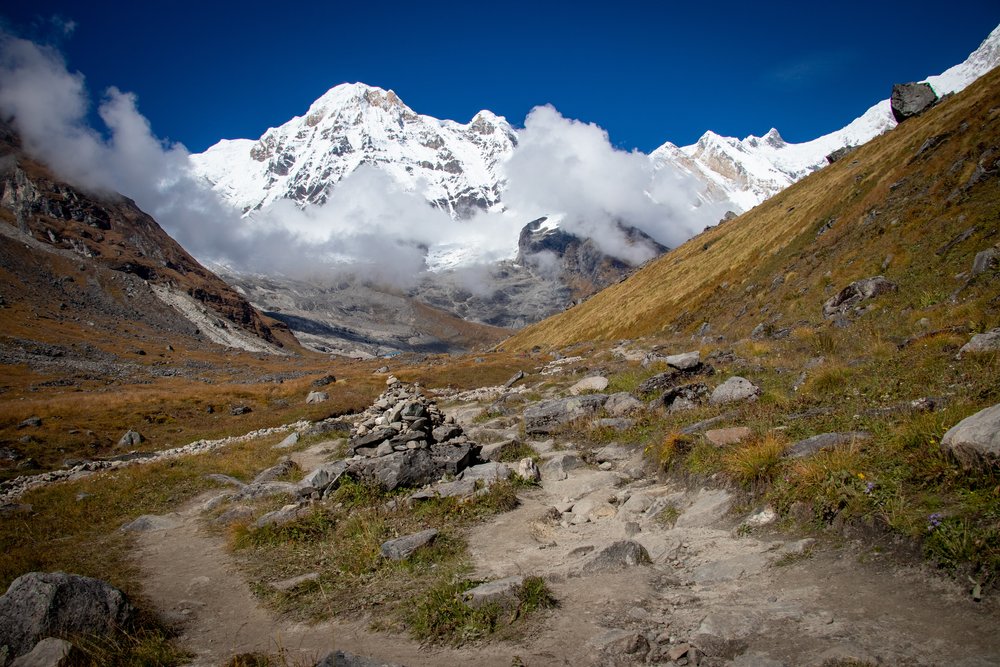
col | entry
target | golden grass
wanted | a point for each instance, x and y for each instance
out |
(885, 201)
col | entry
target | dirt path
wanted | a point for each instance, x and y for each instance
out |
(766, 598)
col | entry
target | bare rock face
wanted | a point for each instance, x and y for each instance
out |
(911, 99)
(42, 604)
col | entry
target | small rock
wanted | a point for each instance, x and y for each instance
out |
(734, 389)
(31, 422)
(235, 514)
(528, 470)
(589, 384)
(982, 343)
(623, 404)
(317, 397)
(323, 381)
(345, 659)
(764, 517)
(721, 437)
(130, 439)
(50, 652)
(855, 293)
(619, 555)
(985, 260)
(285, 515)
(501, 591)
(487, 472)
(514, 379)
(274, 472)
(238, 410)
(290, 441)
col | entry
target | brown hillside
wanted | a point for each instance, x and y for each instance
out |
(890, 208)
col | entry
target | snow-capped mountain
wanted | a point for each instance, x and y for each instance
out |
(748, 171)
(454, 166)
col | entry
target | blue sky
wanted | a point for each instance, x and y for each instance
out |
(647, 72)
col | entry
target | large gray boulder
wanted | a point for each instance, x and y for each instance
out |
(982, 343)
(45, 604)
(734, 389)
(855, 293)
(546, 417)
(911, 99)
(975, 441)
(412, 468)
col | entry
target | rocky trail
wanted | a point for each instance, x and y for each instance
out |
(644, 572)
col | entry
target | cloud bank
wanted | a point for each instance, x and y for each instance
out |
(369, 226)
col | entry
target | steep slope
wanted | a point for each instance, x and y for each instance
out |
(454, 166)
(748, 171)
(75, 257)
(915, 205)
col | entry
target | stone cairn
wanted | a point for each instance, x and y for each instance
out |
(403, 439)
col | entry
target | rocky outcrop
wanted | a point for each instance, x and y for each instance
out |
(911, 99)
(547, 417)
(40, 604)
(847, 299)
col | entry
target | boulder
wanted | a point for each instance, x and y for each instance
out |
(324, 476)
(618, 556)
(855, 293)
(446, 432)
(546, 417)
(410, 468)
(498, 451)
(35, 422)
(130, 439)
(290, 441)
(286, 514)
(272, 474)
(839, 153)
(558, 467)
(593, 383)
(487, 473)
(815, 443)
(623, 404)
(733, 390)
(317, 397)
(684, 362)
(911, 99)
(402, 548)
(975, 441)
(514, 379)
(452, 458)
(51, 652)
(982, 343)
(43, 604)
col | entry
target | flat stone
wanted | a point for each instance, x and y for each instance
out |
(816, 443)
(285, 515)
(460, 488)
(729, 569)
(499, 450)
(547, 417)
(685, 361)
(502, 591)
(975, 441)
(593, 383)
(274, 472)
(269, 490)
(235, 514)
(614, 423)
(346, 659)
(323, 476)
(293, 582)
(50, 652)
(623, 404)
(721, 437)
(734, 389)
(613, 453)
(618, 556)
(487, 472)
(402, 548)
(558, 466)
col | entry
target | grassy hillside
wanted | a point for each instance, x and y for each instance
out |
(890, 208)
